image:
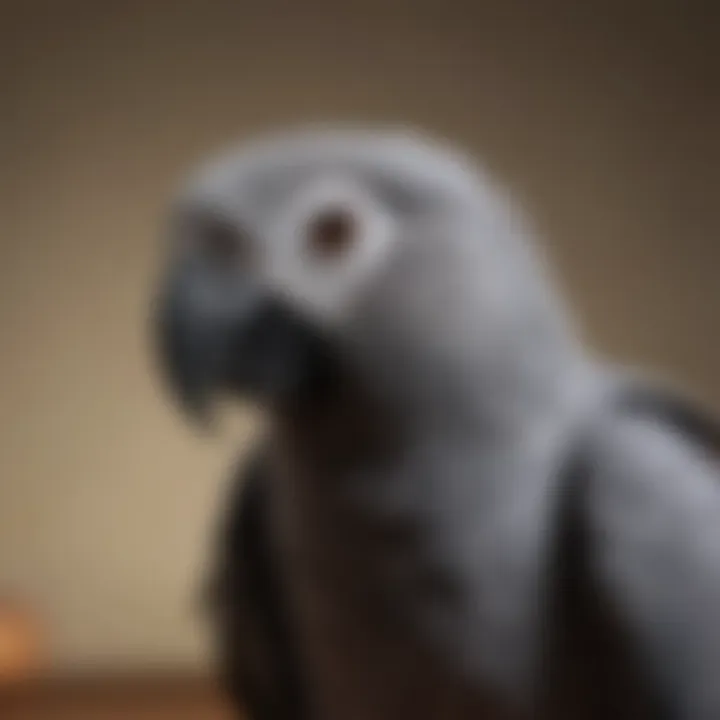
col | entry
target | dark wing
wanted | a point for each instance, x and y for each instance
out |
(652, 487)
(249, 614)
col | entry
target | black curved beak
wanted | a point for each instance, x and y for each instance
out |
(235, 339)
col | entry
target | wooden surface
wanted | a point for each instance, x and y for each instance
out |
(115, 699)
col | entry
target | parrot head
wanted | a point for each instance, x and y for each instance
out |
(311, 254)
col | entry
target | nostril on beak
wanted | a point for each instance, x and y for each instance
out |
(224, 245)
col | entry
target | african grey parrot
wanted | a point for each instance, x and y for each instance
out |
(457, 511)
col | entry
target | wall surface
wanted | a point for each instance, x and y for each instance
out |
(603, 116)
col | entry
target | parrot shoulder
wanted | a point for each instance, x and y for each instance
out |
(653, 537)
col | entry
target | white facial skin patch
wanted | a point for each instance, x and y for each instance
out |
(326, 280)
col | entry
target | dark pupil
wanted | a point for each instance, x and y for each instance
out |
(332, 232)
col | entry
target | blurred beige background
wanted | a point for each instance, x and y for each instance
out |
(604, 117)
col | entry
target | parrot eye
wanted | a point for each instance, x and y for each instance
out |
(332, 232)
